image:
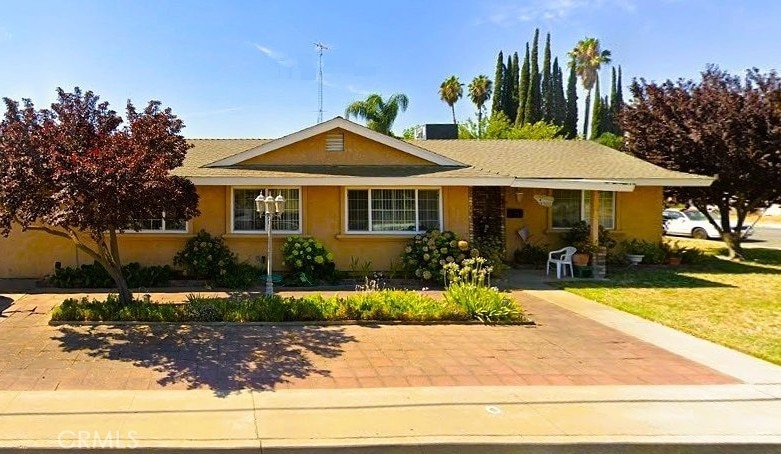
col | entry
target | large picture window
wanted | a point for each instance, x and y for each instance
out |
(571, 207)
(393, 210)
(246, 219)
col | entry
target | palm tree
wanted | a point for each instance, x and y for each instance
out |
(451, 91)
(378, 113)
(480, 90)
(587, 58)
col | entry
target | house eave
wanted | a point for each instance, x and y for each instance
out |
(350, 181)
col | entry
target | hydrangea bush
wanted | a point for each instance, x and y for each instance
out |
(309, 259)
(205, 257)
(426, 254)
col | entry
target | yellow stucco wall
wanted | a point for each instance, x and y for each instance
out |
(638, 215)
(33, 254)
(358, 150)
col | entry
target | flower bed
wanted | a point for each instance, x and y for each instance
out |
(380, 305)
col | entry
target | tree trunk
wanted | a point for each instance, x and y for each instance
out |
(734, 246)
(479, 124)
(453, 108)
(585, 120)
(125, 297)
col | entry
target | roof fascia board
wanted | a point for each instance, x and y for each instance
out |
(337, 122)
(348, 181)
(594, 185)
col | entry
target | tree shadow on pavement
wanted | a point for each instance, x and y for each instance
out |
(5, 303)
(222, 358)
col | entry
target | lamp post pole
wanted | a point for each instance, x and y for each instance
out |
(269, 207)
(269, 281)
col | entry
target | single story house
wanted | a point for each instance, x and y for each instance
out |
(364, 194)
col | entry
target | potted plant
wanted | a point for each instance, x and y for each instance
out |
(579, 236)
(674, 253)
(634, 251)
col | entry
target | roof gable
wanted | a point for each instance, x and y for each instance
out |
(400, 147)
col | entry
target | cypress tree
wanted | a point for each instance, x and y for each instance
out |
(510, 87)
(514, 94)
(596, 117)
(559, 101)
(606, 122)
(620, 89)
(547, 84)
(533, 110)
(498, 102)
(571, 121)
(612, 113)
(523, 89)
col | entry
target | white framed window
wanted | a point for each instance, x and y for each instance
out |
(393, 210)
(244, 218)
(573, 206)
(162, 224)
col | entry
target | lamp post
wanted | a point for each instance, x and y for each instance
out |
(269, 207)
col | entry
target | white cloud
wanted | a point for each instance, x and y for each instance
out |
(358, 91)
(549, 10)
(278, 57)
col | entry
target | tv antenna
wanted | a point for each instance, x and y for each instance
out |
(320, 48)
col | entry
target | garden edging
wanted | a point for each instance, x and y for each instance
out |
(301, 323)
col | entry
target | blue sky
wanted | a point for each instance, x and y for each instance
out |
(248, 69)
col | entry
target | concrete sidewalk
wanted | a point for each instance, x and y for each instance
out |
(737, 418)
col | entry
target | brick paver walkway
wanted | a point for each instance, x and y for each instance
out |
(564, 349)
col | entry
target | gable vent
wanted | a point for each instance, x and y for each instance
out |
(334, 142)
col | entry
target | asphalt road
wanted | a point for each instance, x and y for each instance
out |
(764, 237)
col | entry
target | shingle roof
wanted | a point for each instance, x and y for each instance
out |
(485, 159)
(571, 159)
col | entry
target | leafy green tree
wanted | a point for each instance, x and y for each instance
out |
(571, 120)
(409, 133)
(546, 89)
(498, 126)
(523, 90)
(450, 91)
(499, 85)
(480, 90)
(722, 125)
(378, 113)
(611, 140)
(587, 57)
(533, 109)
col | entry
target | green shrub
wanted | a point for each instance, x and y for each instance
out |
(208, 257)
(469, 288)
(426, 254)
(531, 254)
(309, 259)
(95, 276)
(492, 249)
(205, 257)
(653, 253)
(462, 303)
(579, 235)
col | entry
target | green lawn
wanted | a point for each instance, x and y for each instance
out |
(733, 304)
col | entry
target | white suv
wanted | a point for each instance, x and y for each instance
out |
(693, 223)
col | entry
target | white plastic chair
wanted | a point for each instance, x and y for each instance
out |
(562, 258)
